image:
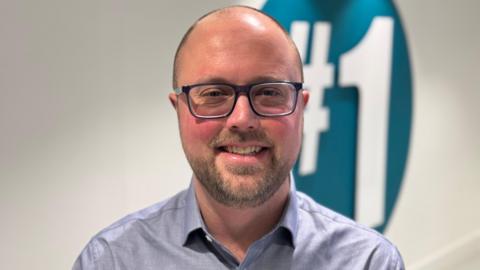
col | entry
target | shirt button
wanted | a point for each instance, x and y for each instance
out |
(208, 238)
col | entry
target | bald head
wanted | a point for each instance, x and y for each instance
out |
(243, 25)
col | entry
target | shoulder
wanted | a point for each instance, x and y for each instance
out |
(128, 231)
(349, 241)
(144, 217)
(326, 218)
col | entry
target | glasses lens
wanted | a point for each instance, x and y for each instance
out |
(211, 100)
(273, 98)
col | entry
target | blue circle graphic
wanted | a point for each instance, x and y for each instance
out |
(333, 183)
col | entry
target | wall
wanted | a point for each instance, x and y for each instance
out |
(437, 218)
(87, 134)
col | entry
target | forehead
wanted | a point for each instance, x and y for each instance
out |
(237, 47)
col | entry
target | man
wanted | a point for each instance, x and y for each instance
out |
(239, 101)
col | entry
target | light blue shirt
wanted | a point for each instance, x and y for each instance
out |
(171, 235)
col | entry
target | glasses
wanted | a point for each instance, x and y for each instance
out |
(217, 100)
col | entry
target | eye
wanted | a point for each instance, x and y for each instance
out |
(213, 92)
(211, 95)
(269, 91)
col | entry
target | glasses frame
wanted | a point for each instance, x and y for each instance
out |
(238, 90)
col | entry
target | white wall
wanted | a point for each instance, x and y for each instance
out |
(438, 215)
(87, 134)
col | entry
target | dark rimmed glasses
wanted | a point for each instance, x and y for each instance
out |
(216, 100)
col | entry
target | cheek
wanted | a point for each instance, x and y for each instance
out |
(286, 134)
(197, 133)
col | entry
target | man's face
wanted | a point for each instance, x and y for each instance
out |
(242, 159)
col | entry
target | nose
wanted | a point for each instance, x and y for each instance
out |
(243, 118)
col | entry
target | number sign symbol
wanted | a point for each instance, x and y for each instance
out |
(368, 67)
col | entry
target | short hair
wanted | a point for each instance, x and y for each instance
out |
(225, 10)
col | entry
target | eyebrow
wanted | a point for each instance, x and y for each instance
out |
(257, 79)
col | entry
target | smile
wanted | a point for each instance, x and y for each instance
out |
(247, 150)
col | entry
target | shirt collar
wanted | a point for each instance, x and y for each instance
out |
(193, 220)
(289, 218)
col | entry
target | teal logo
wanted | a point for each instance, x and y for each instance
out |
(358, 120)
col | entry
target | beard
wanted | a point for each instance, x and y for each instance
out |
(240, 186)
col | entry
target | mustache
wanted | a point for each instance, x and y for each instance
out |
(227, 137)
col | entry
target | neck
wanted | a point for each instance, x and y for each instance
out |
(238, 228)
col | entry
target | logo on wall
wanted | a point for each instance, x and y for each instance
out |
(357, 122)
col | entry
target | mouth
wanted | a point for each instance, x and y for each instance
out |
(241, 155)
(242, 150)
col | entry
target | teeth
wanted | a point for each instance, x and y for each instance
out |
(243, 150)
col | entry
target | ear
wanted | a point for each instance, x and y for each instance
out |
(306, 96)
(173, 100)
